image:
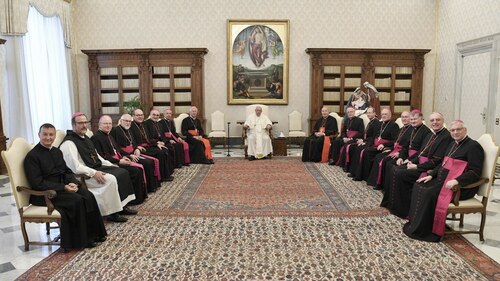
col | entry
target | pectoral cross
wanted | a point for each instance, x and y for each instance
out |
(94, 157)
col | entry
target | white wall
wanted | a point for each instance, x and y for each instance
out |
(114, 24)
(459, 21)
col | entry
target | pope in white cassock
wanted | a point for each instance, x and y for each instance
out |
(259, 142)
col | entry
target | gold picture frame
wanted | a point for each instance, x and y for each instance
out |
(257, 61)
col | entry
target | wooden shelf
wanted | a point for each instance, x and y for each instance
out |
(395, 70)
(125, 72)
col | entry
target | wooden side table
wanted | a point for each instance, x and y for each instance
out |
(279, 147)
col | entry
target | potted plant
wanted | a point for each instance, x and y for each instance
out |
(130, 105)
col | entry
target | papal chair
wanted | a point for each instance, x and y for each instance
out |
(218, 133)
(178, 122)
(295, 133)
(249, 110)
(479, 203)
(365, 118)
(339, 121)
(14, 159)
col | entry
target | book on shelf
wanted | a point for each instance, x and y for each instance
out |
(182, 109)
(401, 108)
(182, 70)
(130, 96)
(406, 83)
(161, 70)
(333, 108)
(109, 84)
(106, 98)
(332, 69)
(331, 96)
(161, 97)
(353, 69)
(110, 110)
(404, 70)
(182, 82)
(383, 70)
(383, 82)
(352, 82)
(180, 97)
(334, 82)
(130, 70)
(402, 96)
(109, 71)
(384, 96)
(161, 83)
(130, 83)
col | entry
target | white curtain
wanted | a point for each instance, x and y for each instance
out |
(48, 89)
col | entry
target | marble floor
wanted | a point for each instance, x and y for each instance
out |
(14, 260)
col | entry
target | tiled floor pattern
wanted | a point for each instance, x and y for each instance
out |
(14, 260)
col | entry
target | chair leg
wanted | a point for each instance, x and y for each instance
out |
(25, 236)
(47, 227)
(461, 220)
(481, 228)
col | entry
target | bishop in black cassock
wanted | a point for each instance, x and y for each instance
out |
(197, 150)
(462, 165)
(353, 128)
(313, 149)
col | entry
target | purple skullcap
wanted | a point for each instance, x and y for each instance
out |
(76, 114)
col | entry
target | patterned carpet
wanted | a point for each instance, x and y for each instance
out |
(277, 219)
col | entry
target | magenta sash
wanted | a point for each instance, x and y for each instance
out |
(187, 160)
(347, 160)
(456, 168)
(133, 164)
(422, 160)
(130, 149)
(411, 152)
(375, 144)
(397, 148)
(351, 133)
(345, 148)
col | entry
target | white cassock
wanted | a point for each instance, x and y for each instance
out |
(258, 140)
(106, 194)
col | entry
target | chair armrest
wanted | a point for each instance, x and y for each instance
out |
(457, 188)
(47, 194)
(82, 178)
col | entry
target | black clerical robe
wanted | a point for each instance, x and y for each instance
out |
(397, 194)
(314, 146)
(106, 146)
(140, 133)
(386, 136)
(353, 152)
(156, 130)
(353, 128)
(196, 147)
(88, 153)
(127, 145)
(171, 134)
(81, 221)
(422, 225)
(379, 162)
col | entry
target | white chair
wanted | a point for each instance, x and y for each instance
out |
(479, 203)
(60, 134)
(218, 133)
(399, 122)
(178, 122)
(14, 159)
(339, 120)
(89, 133)
(295, 133)
(365, 119)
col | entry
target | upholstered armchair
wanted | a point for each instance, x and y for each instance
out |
(295, 133)
(178, 122)
(218, 133)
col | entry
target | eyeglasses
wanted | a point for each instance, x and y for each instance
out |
(128, 121)
(139, 114)
(83, 122)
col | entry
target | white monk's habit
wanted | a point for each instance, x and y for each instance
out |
(106, 194)
(258, 140)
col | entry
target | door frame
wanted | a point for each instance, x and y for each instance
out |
(488, 44)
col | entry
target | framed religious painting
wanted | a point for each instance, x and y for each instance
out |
(257, 61)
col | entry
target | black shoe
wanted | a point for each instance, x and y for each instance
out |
(128, 211)
(171, 178)
(117, 218)
(251, 158)
(350, 175)
(356, 179)
(92, 245)
(331, 163)
(377, 188)
(211, 161)
(187, 164)
(101, 239)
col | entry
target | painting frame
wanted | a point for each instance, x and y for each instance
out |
(258, 61)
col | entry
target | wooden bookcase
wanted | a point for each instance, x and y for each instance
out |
(158, 77)
(336, 73)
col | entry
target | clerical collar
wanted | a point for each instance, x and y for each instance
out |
(418, 126)
(48, 148)
(462, 140)
(436, 133)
